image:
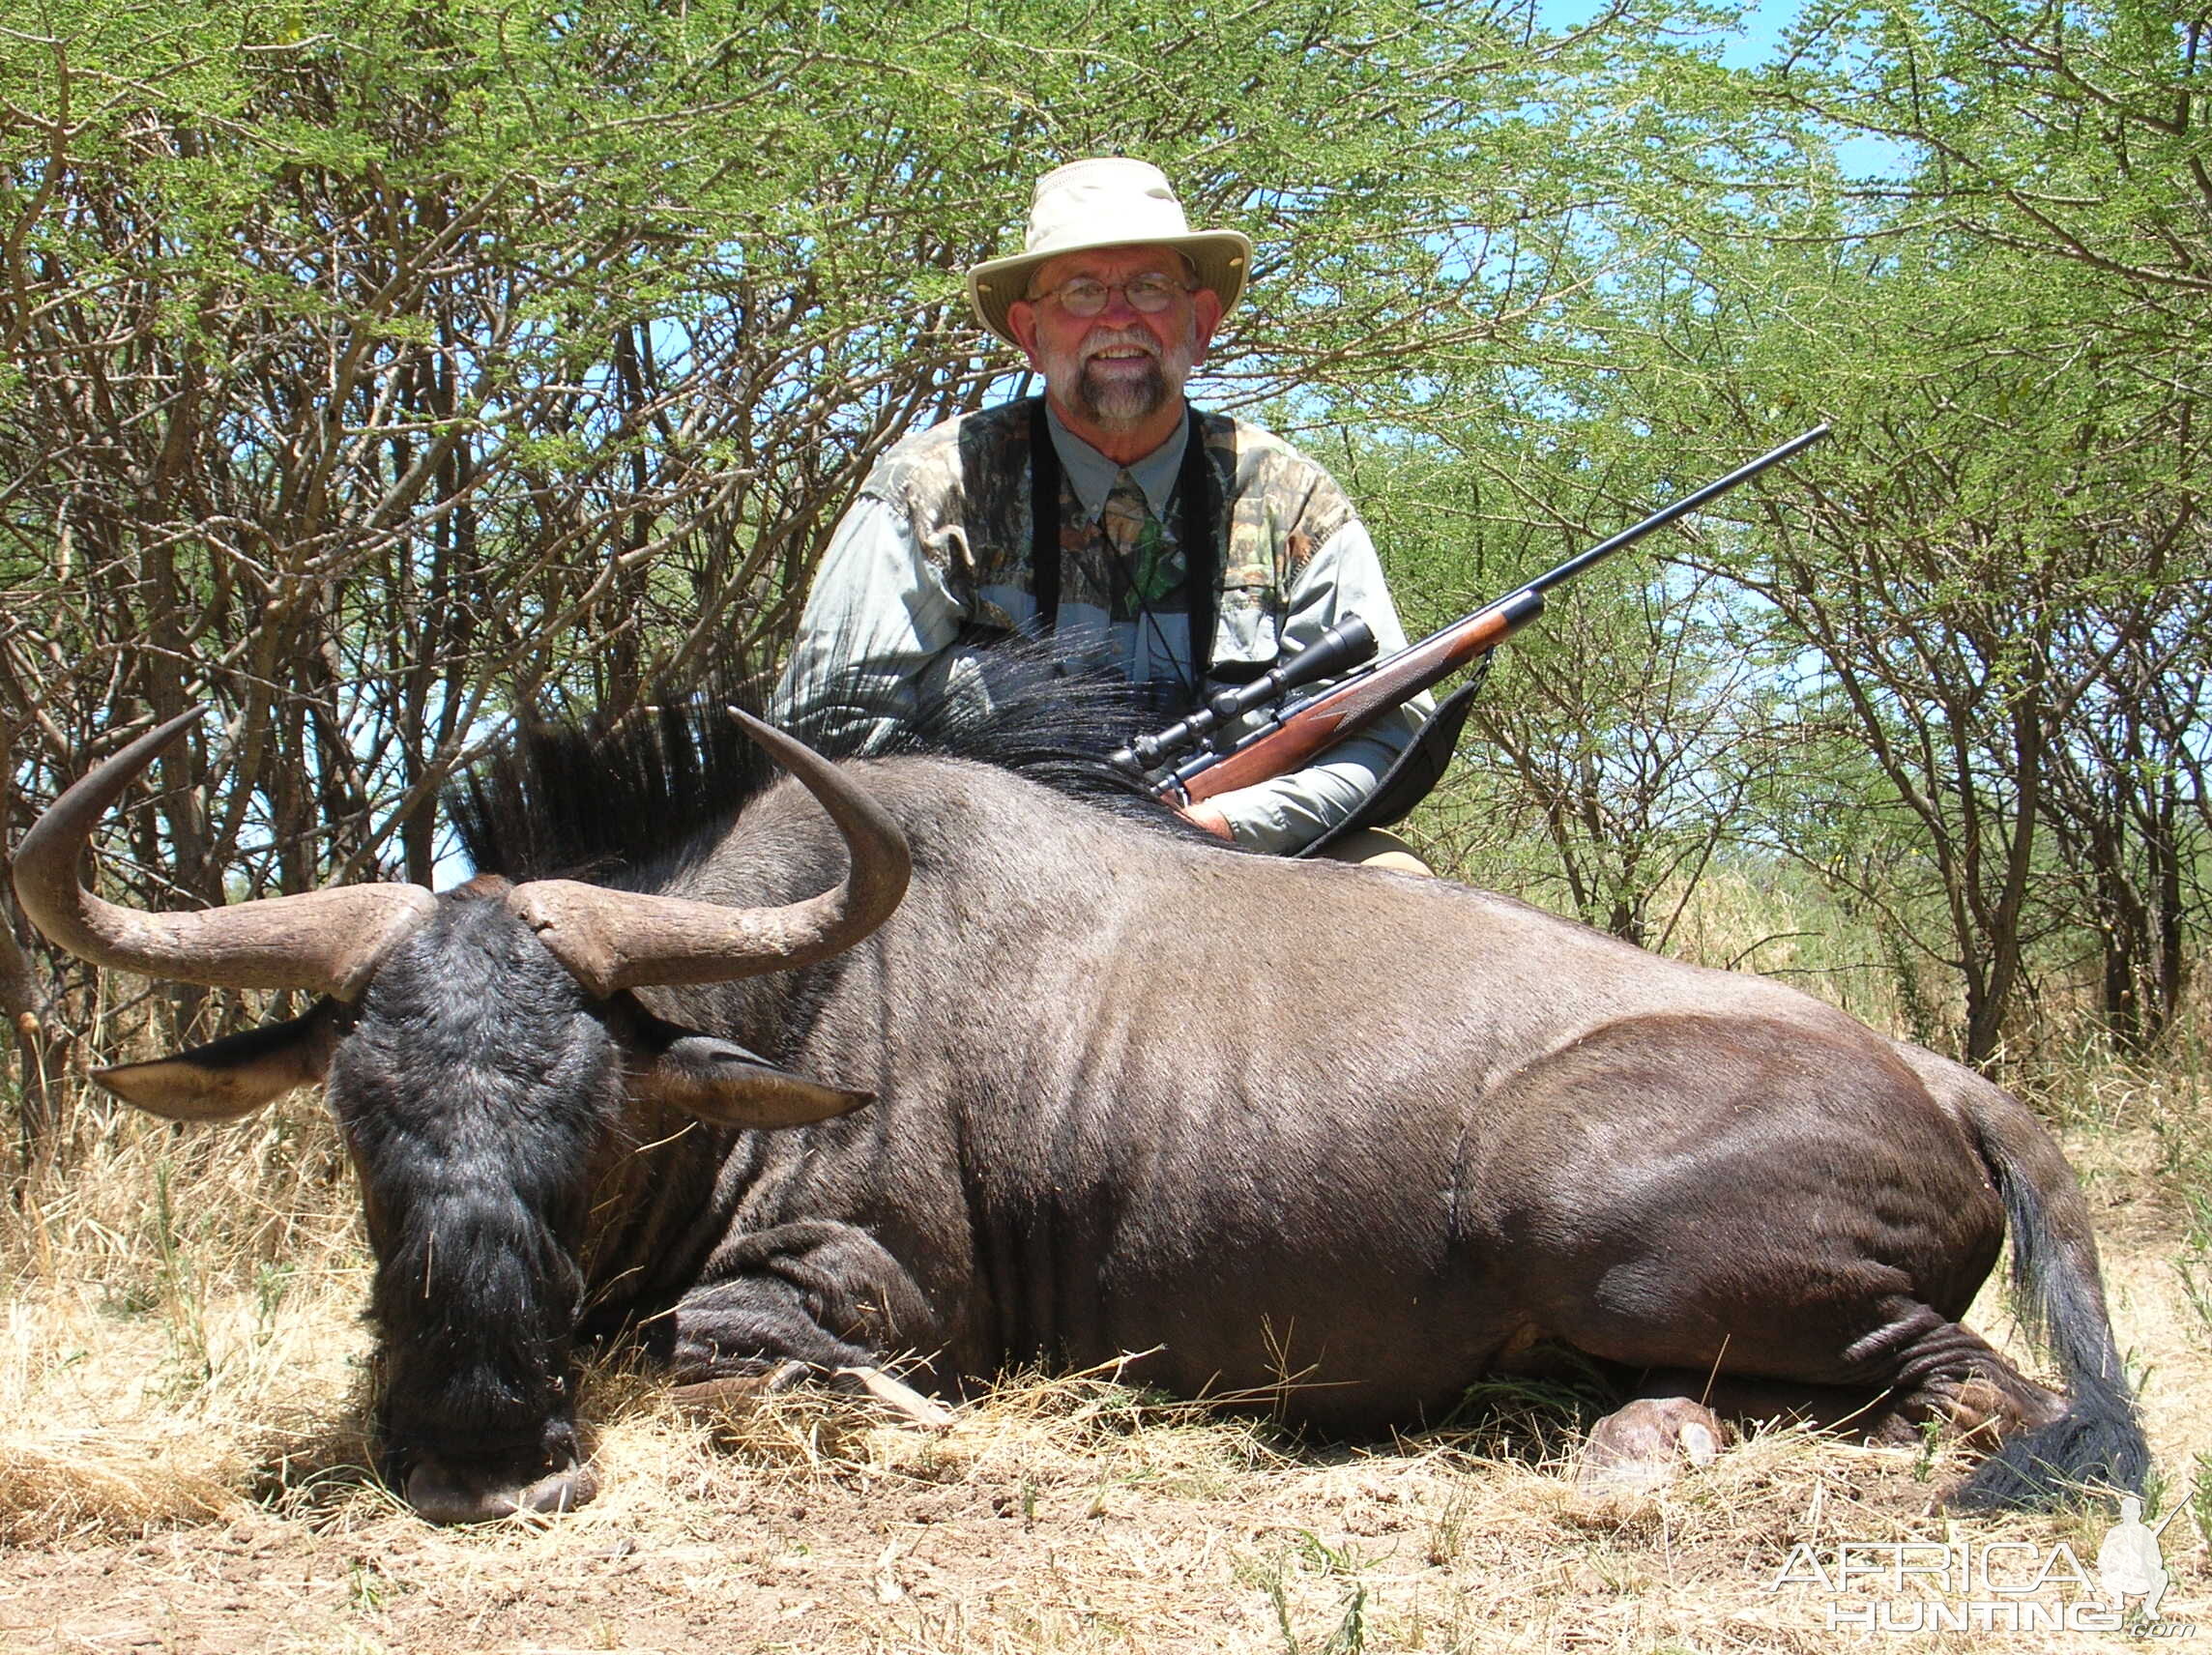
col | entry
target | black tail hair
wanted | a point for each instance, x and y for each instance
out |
(2097, 1444)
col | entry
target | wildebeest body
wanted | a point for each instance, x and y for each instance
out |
(1135, 1093)
(1335, 1141)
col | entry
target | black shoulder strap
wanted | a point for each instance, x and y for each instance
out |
(1044, 520)
(1199, 533)
(1413, 774)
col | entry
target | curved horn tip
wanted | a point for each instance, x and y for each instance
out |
(45, 856)
(141, 750)
(777, 741)
(326, 939)
(612, 941)
(190, 715)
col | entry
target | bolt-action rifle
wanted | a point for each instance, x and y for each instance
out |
(1302, 730)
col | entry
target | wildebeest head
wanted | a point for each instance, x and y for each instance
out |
(478, 1047)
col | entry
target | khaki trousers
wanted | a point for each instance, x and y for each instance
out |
(1372, 847)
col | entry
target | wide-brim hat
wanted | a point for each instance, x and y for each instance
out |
(1110, 201)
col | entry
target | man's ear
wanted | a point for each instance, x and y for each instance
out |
(235, 1075)
(1021, 322)
(1206, 317)
(718, 1080)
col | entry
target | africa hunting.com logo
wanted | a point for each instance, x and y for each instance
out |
(1991, 1586)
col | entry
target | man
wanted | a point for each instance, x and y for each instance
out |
(1113, 301)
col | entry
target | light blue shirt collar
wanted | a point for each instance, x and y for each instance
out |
(1091, 473)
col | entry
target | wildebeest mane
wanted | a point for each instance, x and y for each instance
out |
(596, 799)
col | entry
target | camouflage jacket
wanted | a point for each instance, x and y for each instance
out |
(935, 556)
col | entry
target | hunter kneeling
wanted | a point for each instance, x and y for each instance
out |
(1071, 517)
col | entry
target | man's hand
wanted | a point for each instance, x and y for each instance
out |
(1206, 816)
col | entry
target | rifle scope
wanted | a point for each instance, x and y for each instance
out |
(1344, 646)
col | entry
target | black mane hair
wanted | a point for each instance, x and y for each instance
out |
(597, 799)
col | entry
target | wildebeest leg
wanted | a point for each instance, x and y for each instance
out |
(1946, 1375)
(1991, 1406)
(818, 1292)
(1681, 1193)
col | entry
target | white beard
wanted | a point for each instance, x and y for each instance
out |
(1114, 399)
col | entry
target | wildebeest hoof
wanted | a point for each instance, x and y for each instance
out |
(1984, 1409)
(731, 1392)
(900, 1397)
(740, 1392)
(1644, 1445)
(443, 1494)
(716, 1396)
(734, 1391)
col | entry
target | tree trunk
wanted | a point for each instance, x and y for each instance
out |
(40, 1049)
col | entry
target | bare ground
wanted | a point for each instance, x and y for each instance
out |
(180, 1436)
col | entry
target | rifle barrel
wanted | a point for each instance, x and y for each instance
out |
(1315, 722)
(1682, 507)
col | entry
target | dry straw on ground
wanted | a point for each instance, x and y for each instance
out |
(181, 1440)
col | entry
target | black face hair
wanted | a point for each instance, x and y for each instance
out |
(479, 1080)
(472, 1174)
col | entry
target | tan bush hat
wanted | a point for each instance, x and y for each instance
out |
(1110, 201)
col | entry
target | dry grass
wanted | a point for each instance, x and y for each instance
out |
(177, 1317)
(180, 1384)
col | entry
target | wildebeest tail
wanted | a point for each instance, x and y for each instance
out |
(2097, 1443)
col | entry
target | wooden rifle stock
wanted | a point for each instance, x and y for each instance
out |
(1321, 721)
(1303, 731)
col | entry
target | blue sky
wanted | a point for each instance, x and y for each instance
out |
(1762, 25)
(1758, 32)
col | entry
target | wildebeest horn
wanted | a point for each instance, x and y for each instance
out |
(326, 940)
(616, 939)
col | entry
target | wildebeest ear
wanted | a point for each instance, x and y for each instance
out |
(719, 1080)
(235, 1075)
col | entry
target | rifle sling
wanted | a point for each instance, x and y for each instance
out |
(1413, 773)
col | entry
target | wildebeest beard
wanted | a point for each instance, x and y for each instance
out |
(474, 1177)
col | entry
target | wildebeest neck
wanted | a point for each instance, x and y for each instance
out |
(472, 1092)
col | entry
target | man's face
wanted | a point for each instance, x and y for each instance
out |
(1119, 369)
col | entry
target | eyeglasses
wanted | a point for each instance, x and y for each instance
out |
(1084, 296)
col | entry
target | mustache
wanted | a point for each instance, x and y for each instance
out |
(1108, 338)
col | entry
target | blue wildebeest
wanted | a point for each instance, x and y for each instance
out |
(1344, 1138)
